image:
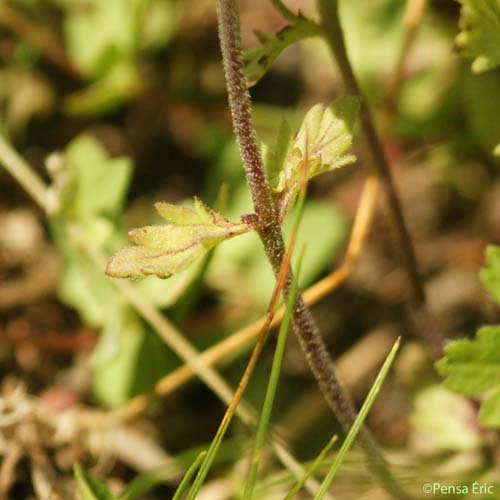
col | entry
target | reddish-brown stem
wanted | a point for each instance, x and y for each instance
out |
(269, 228)
(334, 36)
(305, 328)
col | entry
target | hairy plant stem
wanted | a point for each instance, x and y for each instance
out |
(305, 328)
(334, 36)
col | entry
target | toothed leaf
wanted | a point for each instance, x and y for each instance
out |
(479, 37)
(490, 274)
(443, 421)
(320, 146)
(184, 216)
(472, 368)
(170, 249)
(259, 60)
(275, 159)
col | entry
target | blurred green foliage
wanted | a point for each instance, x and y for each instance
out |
(91, 488)
(472, 367)
(490, 274)
(480, 33)
(91, 188)
(146, 77)
(445, 420)
(104, 40)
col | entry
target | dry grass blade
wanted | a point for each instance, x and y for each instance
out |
(30, 181)
(281, 281)
(7, 471)
(23, 174)
(241, 338)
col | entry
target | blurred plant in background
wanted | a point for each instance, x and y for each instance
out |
(118, 104)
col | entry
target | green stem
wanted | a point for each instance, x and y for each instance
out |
(188, 476)
(284, 10)
(334, 36)
(312, 468)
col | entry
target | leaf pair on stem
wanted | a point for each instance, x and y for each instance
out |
(320, 146)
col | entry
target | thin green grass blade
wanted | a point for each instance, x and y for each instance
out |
(207, 463)
(212, 451)
(351, 436)
(312, 468)
(271, 389)
(188, 476)
(211, 455)
(216, 442)
(276, 367)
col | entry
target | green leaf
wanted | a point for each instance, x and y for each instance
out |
(445, 421)
(128, 359)
(167, 250)
(490, 275)
(96, 184)
(346, 108)
(230, 451)
(358, 423)
(479, 37)
(322, 246)
(481, 99)
(92, 189)
(320, 146)
(272, 386)
(184, 484)
(89, 487)
(120, 84)
(312, 468)
(274, 160)
(103, 33)
(243, 271)
(104, 40)
(82, 285)
(489, 413)
(472, 368)
(259, 60)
